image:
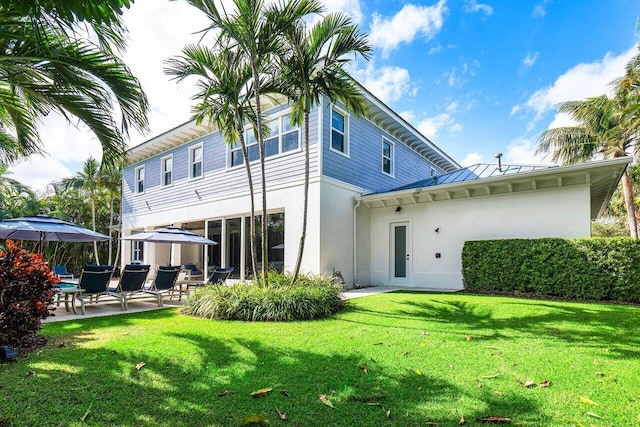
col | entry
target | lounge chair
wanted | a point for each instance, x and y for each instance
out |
(192, 272)
(93, 284)
(163, 283)
(220, 276)
(131, 282)
(61, 272)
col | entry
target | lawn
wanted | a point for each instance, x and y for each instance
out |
(405, 359)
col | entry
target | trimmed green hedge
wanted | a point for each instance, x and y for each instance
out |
(595, 269)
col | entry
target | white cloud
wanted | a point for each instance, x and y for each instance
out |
(435, 49)
(387, 83)
(473, 6)
(388, 33)
(432, 126)
(521, 151)
(471, 159)
(539, 11)
(459, 76)
(349, 7)
(452, 108)
(409, 116)
(38, 172)
(562, 120)
(580, 82)
(530, 59)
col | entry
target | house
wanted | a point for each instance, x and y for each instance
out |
(386, 205)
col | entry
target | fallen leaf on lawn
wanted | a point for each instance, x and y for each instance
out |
(378, 343)
(224, 393)
(497, 393)
(282, 415)
(326, 401)
(600, 374)
(262, 392)
(425, 333)
(254, 420)
(388, 413)
(469, 338)
(30, 373)
(593, 414)
(584, 399)
(495, 419)
(364, 369)
(405, 354)
(488, 377)
(418, 372)
(285, 393)
(462, 421)
(86, 414)
(528, 383)
(62, 344)
(140, 366)
(423, 344)
(545, 384)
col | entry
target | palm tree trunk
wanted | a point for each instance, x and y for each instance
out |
(93, 223)
(110, 229)
(252, 231)
(627, 191)
(265, 238)
(303, 235)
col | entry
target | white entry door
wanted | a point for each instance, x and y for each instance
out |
(400, 243)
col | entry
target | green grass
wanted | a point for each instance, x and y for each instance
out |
(420, 365)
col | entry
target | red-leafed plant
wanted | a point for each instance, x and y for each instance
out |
(26, 292)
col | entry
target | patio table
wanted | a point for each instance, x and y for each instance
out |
(67, 288)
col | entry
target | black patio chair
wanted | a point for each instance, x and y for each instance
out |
(130, 283)
(163, 284)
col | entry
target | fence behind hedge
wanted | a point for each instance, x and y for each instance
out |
(596, 268)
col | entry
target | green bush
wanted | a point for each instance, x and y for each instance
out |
(26, 292)
(312, 297)
(595, 269)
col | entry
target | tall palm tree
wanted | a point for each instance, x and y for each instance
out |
(601, 130)
(44, 67)
(312, 69)
(224, 99)
(88, 181)
(110, 179)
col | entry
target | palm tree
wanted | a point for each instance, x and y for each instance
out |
(601, 130)
(44, 68)
(88, 181)
(16, 198)
(312, 69)
(254, 30)
(224, 97)
(110, 179)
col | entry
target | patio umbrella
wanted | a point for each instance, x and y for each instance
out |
(45, 228)
(170, 235)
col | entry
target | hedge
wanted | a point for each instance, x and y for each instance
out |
(594, 269)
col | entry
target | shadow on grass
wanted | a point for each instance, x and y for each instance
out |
(190, 378)
(596, 325)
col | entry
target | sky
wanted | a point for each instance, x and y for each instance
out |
(476, 77)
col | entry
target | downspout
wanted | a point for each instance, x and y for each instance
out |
(355, 245)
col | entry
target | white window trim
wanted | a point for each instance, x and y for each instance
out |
(280, 115)
(347, 126)
(135, 251)
(190, 162)
(162, 171)
(433, 172)
(392, 160)
(136, 181)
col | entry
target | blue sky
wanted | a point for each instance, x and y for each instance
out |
(476, 77)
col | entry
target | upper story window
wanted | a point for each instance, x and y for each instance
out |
(387, 157)
(339, 132)
(282, 137)
(139, 180)
(167, 171)
(195, 161)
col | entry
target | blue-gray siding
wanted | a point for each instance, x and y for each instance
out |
(363, 167)
(218, 180)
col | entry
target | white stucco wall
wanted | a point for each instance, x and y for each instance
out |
(285, 198)
(563, 212)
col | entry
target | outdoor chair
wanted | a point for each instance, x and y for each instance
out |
(192, 272)
(61, 272)
(220, 276)
(93, 284)
(131, 282)
(163, 283)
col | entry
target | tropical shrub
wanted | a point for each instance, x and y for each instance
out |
(595, 268)
(26, 291)
(311, 297)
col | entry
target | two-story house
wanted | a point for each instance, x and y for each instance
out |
(386, 205)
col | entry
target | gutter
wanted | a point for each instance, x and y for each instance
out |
(355, 244)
